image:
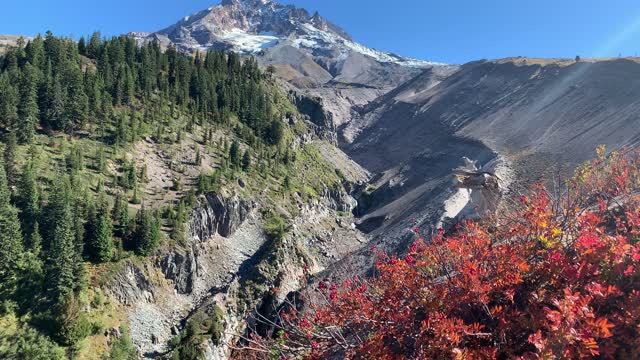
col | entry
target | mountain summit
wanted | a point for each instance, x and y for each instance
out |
(251, 26)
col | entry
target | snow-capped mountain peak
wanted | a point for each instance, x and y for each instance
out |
(252, 26)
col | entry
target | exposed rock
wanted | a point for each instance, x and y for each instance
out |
(180, 267)
(313, 109)
(217, 215)
(131, 286)
(339, 200)
(223, 234)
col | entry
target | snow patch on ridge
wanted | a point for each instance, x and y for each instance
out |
(319, 39)
(249, 43)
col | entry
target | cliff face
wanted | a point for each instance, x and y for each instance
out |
(225, 249)
(223, 235)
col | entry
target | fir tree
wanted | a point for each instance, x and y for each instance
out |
(146, 236)
(75, 111)
(246, 161)
(101, 242)
(58, 203)
(120, 215)
(8, 102)
(61, 275)
(93, 49)
(82, 46)
(29, 198)
(11, 246)
(28, 106)
(234, 154)
(198, 160)
(55, 113)
(287, 183)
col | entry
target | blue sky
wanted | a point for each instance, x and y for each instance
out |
(453, 31)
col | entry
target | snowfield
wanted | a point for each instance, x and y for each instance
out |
(249, 43)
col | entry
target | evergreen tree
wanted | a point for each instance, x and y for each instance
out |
(82, 46)
(9, 157)
(275, 132)
(58, 203)
(93, 49)
(287, 182)
(101, 242)
(28, 106)
(120, 215)
(11, 246)
(198, 160)
(29, 198)
(246, 161)
(9, 99)
(146, 236)
(75, 111)
(234, 154)
(101, 160)
(55, 112)
(180, 217)
(61, 275)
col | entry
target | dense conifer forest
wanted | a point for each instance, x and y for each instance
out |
(70, 200)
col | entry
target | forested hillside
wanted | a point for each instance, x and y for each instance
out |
(73, 200)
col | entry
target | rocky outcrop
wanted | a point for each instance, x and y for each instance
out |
(180, 267)
(223, 234)
(217, 215)
(131, 285)
(338, 199)
(312, 109)
(477, 191)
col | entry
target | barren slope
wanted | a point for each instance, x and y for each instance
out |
(536, 113)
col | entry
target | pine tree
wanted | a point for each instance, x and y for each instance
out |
(93, 49)
(58, 202)
(29, 198)
(61, 275)
(275, 132)
(82, 46)
(8, 102)
(178, 229)
(55, 112)
(76, 106)
(146, 236)
(135, 198)
(287, 182)
(246, 161)
(101, 161)
(11, 246)
(101, 242)
(28, 106)
(198, 160)
(234, 154)
(121, 216)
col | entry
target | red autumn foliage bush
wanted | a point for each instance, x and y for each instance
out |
(556, 277)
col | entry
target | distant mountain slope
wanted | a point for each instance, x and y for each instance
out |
(7, 41)
(537, 114)
(309, 52)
